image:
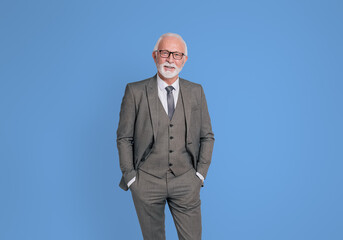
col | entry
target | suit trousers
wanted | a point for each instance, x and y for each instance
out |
(182, 193)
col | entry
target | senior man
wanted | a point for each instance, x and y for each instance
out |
(165, 143)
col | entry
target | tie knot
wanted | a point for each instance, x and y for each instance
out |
(169, 89)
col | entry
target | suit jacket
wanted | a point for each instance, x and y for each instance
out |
(137, 128)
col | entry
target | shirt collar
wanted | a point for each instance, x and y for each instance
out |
(162, 84)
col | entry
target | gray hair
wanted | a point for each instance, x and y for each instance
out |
(171, 35)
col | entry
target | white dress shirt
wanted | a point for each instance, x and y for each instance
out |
(162, 95)
(162, 92)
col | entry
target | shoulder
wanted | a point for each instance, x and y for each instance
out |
(189, 83)
(192, 86)
(141, 83)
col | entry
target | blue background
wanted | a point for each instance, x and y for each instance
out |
(272, 74)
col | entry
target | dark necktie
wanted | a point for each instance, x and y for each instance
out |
(170, 101)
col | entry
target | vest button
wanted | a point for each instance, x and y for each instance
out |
(171, 137)
(170, 151)
(170, 164)
(171, 125)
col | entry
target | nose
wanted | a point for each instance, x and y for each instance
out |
(170, 59)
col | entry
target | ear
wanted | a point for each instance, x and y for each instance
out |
(185, 58)
(154, 55)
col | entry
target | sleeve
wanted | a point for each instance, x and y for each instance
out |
(125, 133)
(206, 139)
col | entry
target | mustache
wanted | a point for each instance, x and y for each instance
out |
(168, 65)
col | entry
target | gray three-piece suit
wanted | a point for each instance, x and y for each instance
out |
(164, 155)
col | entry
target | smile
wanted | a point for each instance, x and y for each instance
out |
(168, 67)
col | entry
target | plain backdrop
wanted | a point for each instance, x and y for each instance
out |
(272, 75)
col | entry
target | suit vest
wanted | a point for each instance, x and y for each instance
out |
(169, 151)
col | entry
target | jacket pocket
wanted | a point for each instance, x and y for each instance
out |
(147, 152)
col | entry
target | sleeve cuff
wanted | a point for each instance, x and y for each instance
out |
(200, 176)
(131, 181)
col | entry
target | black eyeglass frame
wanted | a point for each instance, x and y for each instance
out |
(170, 53)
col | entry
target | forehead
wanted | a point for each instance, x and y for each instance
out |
(172, 44)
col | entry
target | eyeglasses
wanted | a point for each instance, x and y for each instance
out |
(166, 54)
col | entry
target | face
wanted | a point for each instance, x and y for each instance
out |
(169, 67)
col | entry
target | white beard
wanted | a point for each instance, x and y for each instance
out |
(168, 74)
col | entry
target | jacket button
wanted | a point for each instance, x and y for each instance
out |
(170, 164)
(170, 151)
(171, 125)
(171, 137)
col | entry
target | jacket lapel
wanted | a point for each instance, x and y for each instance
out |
(186, 95)
(152, 94)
